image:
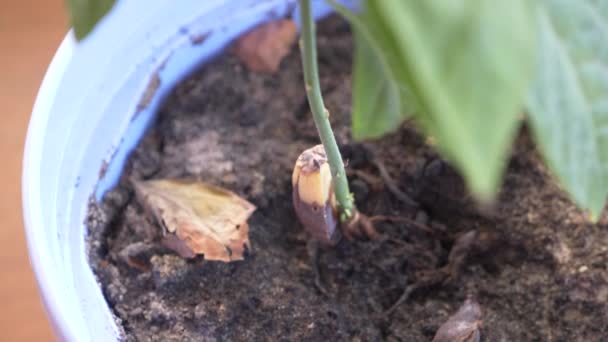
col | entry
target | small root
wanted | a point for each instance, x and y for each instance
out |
(444, 275)
(385, 179)
(392, 185)
(426, 279)
(358, 226)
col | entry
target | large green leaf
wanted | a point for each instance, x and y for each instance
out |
(467, 64)
(568, 104)
(380, 104)
(377, 106)
(85, 14)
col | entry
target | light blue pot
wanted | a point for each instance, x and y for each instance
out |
(86, 115)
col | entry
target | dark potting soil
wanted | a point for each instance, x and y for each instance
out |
(538, 268)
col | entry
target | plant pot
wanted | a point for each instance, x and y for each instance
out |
(96, 100)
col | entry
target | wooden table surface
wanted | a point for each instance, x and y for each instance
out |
(30, 32)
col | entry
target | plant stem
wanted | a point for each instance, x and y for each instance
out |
(320, 114)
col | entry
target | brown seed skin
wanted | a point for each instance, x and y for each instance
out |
(318, 220)
(313, 196)
(463, 326)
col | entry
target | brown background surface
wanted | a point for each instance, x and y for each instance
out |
(30, 32)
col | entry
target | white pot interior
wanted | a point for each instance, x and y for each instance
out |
(94, 105)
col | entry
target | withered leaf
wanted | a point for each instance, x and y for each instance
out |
(198, 218)
(463, 326)
(263, 48)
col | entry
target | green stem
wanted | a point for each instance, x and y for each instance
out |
(320, 114)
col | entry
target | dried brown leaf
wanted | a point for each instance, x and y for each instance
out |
(198, 218)
(263, 48)
(463, 326)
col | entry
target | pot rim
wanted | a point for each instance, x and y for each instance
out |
(32, 206)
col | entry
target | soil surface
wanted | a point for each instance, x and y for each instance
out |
(536, 266)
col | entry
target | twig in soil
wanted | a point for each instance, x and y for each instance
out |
(392, 186)
(402, 299)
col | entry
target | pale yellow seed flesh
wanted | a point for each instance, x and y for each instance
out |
(315, 187)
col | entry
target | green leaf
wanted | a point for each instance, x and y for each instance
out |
(380, 104)
(377, 107)
(468, 65)
(85, 14)
(568, 103)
